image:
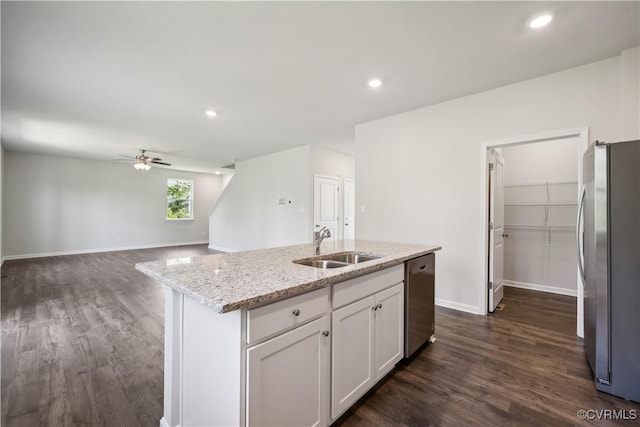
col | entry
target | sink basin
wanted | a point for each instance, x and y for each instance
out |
(338, 260)
(350, 257)
(321, 263)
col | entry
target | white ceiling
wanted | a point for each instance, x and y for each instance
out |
(98, 79)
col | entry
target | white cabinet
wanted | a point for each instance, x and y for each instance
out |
(388, 330)
(300, 361)
(288, 378)
(368, 338)
(352, 354)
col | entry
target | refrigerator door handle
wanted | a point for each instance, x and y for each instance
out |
(578, 229)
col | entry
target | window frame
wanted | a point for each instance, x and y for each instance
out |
(171, 199)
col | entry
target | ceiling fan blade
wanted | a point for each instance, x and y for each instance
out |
(155, 159)
(128, 157)
(160, 163)
(121, 160)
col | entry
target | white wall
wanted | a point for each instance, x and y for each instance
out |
(630, 87)
(58, 205)
(248, 215)
(329, 162)
(433, 190)
(535, 257)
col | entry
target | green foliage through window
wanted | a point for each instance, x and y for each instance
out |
(179, 199)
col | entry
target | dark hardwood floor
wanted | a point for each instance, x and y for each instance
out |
(522, 366)
(82, 345)
(82, 340)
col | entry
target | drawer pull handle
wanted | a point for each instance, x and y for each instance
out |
(325, 333)
(296, 312)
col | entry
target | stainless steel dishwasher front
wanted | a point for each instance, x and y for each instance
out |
(419, 279)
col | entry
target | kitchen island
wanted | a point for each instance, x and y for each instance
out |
(255, 337)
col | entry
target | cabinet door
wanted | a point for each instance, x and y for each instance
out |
(288, 378)
(352, 354)
(389, 329)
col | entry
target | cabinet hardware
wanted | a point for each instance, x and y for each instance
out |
(374, 308)
(325, 333)
(296, 312)
(379, 305)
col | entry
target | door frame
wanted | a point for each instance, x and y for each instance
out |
(344, 204)
(583, 136)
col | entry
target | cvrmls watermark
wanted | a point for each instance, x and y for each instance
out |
(607, 414)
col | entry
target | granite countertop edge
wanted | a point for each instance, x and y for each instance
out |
(223, 305)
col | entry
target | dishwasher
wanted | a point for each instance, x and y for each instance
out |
(419, 279)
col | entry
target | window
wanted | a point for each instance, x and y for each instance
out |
(179, 199)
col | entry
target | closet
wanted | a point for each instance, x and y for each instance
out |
(540, 208)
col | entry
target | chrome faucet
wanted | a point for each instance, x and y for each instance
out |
(318, 237)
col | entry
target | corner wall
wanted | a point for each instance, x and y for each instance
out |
(434, 194)
(56, 205)
(329, 162)
(248, 214)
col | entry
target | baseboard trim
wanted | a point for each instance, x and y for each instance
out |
(221, 249)
(541, 288)
(458, 306)
(93, 251)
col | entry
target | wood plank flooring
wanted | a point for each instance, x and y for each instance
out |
(82, 345)
(82, 340)
(523, 366)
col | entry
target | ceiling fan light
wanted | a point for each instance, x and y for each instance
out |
(142, 166)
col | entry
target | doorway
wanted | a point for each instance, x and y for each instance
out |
(334, 204)
(326, 206)
(535, 208)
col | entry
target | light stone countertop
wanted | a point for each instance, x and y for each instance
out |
(232, 281)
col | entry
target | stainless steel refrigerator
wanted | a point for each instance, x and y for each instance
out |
(609, 264)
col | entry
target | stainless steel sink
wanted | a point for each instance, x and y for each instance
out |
(321, 263)
(351, 257)
(342, 259)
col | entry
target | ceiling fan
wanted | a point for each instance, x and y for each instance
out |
(142, 161)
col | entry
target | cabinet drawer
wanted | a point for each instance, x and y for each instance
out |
(279, 316)
(352, 290)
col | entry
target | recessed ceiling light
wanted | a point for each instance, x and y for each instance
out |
(540, 21)
(374, 83)
(210, 113)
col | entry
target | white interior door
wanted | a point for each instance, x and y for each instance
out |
(496, 229)
(349, 209)
(325, 204)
